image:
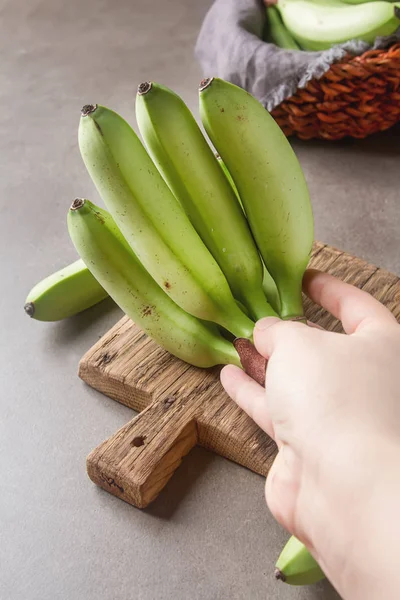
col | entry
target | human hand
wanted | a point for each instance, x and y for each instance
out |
(332, 404)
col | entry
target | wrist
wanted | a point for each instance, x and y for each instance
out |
(355, 536)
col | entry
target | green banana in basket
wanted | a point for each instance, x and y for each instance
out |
(270, 183)
(320, 24)
(64, 293)
(188, 165)
(296, 566)
(268, 284)
(98, 241)
(277, 32)
(153, 222)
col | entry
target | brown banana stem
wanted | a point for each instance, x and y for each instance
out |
(253, 363)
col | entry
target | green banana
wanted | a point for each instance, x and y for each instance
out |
(318, 25)
(64, 293)
(296, 566)
(277, 32)
(270, 183)
(229, 178)
(188, 165)
(271, 291)
(153, 222)
(112, 262)
(363, 1)
(268, 284)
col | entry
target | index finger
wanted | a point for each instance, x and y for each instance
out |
(352, 306)
(247, 394)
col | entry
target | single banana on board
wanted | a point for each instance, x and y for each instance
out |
(268, 284)
(296, 566)
(152, 221)
(113, 263)
(188, 165)
(318, 25)
(64, 293)
(363, 1)
(270, 183)
(277, 32)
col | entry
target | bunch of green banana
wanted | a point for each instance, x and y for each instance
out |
(188, 165)
(153, 222)
(64, 293)
(200, 230)
(115, 266)
(180, 251)
(269, 181)
(296, 566)
(320, 24)
(277, 32)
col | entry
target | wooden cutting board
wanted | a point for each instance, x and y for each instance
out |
(181, 405)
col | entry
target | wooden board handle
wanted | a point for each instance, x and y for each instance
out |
(137, 461)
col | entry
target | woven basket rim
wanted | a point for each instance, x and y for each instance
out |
(357, 96)
(372, 56)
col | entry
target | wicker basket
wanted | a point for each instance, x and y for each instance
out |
(357, 97)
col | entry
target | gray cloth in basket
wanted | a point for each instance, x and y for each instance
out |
(230, 46)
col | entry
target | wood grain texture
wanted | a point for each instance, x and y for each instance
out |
(184, 406)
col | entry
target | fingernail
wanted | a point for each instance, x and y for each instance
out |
(231, 372)
(265, 323)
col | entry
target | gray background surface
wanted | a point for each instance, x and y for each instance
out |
(209, 535)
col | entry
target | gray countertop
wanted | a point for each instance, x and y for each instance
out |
(209, 535)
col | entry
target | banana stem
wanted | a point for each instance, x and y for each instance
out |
(238, 323)
(255, 300)
(252, 362)
(291, 299)
(229, 353)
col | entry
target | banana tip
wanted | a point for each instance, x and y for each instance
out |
(397, 12)
(144, 87)
(77, 204)
(204, 83)
(29, 308)
(279, 575)
(88, 109)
